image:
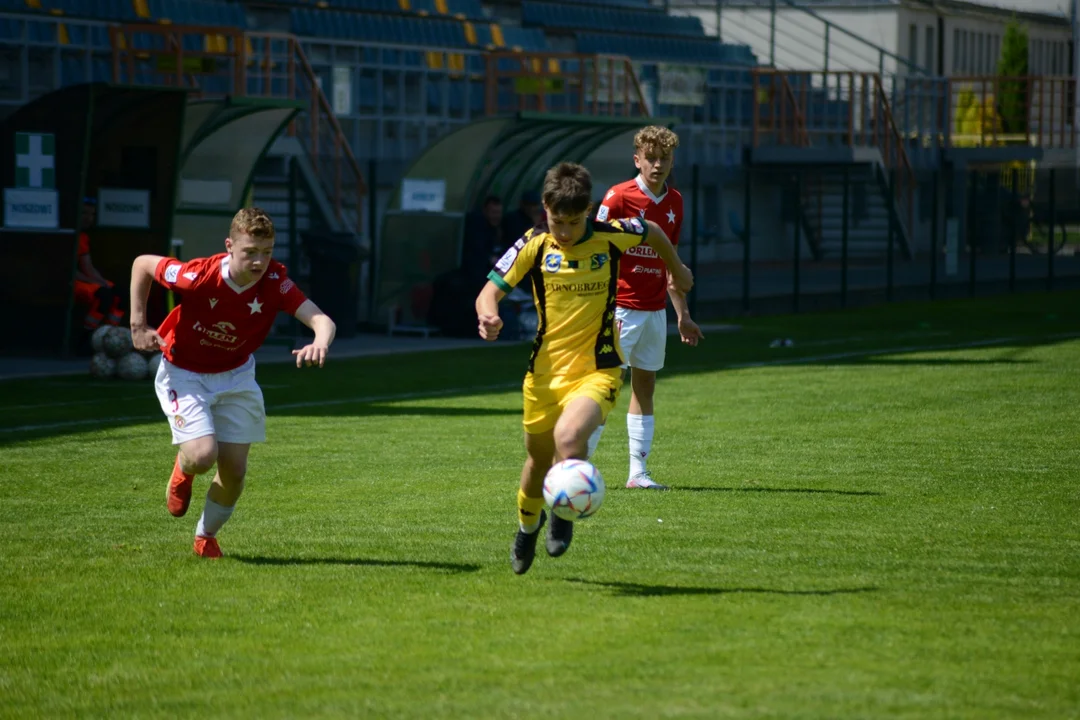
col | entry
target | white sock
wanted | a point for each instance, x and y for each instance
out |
(213, 517)
(594, 440)
(640, 429)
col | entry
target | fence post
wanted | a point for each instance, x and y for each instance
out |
(772, 35)
(935, 240)
(1053, 232)
(747, 213)
(294, 261)
(969, 236)
(892, 236)
(844, 228)
(797, 250)
(373, 241)
(827, 26)
(695, 185)
(1013, 237)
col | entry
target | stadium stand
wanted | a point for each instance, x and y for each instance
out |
(604, 19)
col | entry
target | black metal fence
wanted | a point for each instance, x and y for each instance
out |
(769, 239)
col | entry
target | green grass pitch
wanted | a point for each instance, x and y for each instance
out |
(882, 521)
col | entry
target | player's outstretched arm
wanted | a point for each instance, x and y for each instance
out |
(142, 277)
(487, 310)
(657, 239)
(689, 331)
(325, 329)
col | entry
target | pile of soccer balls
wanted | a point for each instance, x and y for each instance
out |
(115, 356)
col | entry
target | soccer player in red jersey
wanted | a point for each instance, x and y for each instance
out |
(206, 380)
(641, 300)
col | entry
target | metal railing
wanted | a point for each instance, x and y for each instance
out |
(251, 64)
(838, 109)
(571, 82)
(1005, 110)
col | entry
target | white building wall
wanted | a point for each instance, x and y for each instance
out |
(969, 43)
(800, 38)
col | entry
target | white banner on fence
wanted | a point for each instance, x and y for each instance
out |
(342, 89)
(680, 85)
(119, 207)
(31, 208)
(427, 195)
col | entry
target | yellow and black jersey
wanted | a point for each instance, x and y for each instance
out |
(575, 294)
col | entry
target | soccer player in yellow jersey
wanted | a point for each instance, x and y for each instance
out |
(575, 368)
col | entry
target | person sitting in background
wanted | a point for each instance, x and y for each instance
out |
(92, 289)
(525, 218)
(484, 242)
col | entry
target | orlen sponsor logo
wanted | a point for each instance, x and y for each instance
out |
(221, 331)
(642, 251)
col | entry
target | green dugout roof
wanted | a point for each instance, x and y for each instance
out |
(501, 156)
(223, 141)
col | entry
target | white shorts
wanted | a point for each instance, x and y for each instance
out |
(228, 405)
(642, 337)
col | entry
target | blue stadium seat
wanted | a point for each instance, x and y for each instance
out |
(524, 38)
(42, 32)
(609, 19)
(102, 70)
(72, 70)
(10, 29)
(471, 9)
(654, 48)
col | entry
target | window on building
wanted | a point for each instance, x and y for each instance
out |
(980, 40)
(963, 52)
(913, 44)
(1053, 58)
(928, 50)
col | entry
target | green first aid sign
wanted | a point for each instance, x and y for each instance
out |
(35, 160)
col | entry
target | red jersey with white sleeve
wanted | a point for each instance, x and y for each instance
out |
(218, 324)
(642, 274)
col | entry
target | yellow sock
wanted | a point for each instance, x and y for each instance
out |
(529, 511)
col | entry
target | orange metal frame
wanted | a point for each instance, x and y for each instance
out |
(297, 69)
(633, 99)
(1049, 104)
(785, 115)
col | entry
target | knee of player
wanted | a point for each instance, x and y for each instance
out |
(571, 442)
(202, 458)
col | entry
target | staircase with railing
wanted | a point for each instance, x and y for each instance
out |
(219, 61)
(838, 110)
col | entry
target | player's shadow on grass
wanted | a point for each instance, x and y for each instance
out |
(359, 562)
(931, 362)
(622, 589)
(807, 491)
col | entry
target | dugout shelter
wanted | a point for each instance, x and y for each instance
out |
(161, 167)
(117, 143)
(422, 230)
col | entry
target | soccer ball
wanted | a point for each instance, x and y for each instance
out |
(102, 366)
(97, 338)
(573, 489)
(117, 342)
(152, 365)
(132, 366)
